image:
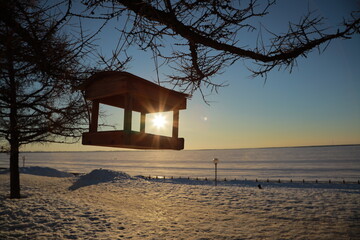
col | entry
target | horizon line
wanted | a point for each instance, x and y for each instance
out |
(200, 149)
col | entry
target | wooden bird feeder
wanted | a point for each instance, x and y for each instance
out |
(132, 93)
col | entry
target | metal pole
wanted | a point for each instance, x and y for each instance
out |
(215, 174)
(215, 161)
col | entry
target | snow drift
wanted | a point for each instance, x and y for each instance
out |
(99, 176)
(41, 171)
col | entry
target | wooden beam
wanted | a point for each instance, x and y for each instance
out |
(127, 113)
(94, 116)
(137, 140)
(142, 122)
(175, 130)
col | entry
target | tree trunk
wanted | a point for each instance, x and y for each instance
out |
(14, 148)
(14, 170)
(14, 135)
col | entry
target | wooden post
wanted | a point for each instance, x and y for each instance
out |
(142, 122)
(128, 113)
(175, 130)
(94, 116)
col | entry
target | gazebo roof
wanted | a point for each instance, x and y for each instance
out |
(113, 87)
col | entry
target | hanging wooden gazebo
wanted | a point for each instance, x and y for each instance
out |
(132, 93)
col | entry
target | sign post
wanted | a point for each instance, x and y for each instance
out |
(216, 161)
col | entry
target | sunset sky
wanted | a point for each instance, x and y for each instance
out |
(317, 104)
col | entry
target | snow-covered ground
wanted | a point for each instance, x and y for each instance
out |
(106, 204)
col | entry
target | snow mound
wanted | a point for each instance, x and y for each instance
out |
(99, 176)
(44, 171)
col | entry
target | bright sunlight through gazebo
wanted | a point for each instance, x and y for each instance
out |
(132, 93)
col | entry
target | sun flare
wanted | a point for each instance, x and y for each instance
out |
(159, 121)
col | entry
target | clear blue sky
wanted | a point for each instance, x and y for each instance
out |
(317, 104)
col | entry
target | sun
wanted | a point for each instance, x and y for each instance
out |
(159, 121)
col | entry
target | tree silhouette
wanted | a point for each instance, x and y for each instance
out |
(206, 35)
(38, 67)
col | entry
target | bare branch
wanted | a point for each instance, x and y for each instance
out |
(211, 31)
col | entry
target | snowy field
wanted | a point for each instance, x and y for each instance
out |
(336, 163)
(106, 204)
